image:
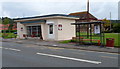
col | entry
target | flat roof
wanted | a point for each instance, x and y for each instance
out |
(45, 16)
(36, 21)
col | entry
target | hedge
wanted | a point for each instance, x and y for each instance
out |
(9, 31)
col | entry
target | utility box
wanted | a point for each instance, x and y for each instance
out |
(110, 42)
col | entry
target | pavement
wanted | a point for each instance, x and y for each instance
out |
(61, 45)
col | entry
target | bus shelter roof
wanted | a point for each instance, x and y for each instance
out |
(79, 23)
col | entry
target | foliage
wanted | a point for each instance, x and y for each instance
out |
(116, 27)
(11, 24)
(7, 31)
(9, 35)
(0, 34)
(67, 41)
(106, 24)
(107, 35)
(6, 20)
(0, 21)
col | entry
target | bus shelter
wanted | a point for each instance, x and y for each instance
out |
(94, 34)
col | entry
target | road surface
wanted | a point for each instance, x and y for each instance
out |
(28, 55)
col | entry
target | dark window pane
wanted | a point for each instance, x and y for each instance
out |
(51, 29)
(34, 31)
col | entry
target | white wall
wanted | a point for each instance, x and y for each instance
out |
(44, 31)
(55, 32)
(68, 30)
(19, 31)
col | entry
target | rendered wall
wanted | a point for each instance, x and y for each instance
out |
(20, 31)
(68, 30)
(55, 32)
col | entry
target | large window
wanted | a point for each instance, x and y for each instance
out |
(51, 29)
(34, 31)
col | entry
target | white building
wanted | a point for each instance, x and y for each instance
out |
(47, 27)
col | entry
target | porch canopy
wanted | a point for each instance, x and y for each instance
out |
(90, 37)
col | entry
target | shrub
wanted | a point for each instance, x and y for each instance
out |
(9, 31)
(73, 41)
(116, 28)
(9, 35)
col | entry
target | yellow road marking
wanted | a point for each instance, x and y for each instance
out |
(54, 48)
(78, 53)
(97, 52)
(109, 57)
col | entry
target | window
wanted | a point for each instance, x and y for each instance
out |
(34, 31)
(51, 29)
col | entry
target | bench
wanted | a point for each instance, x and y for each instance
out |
(82, 39)
(92, 40)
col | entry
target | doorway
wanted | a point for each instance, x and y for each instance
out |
(51, 31)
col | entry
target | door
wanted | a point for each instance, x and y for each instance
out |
(51, 31)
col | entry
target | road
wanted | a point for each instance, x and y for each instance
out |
(27, 55)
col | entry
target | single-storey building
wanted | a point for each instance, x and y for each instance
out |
(47, 27)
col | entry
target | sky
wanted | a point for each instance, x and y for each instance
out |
(29, 8)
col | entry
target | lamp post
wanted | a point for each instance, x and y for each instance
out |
(88, 19)
(110, 21)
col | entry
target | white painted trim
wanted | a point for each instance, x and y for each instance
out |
(49, 22)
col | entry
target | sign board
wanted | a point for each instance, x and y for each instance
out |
(97, 29)
(49, 22)
(60, 27)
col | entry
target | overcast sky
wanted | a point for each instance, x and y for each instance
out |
(24, 8)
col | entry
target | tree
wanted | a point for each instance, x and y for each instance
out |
(6, 20)
(116, 27)
(11, 24)
(0, 20)
(106, 24)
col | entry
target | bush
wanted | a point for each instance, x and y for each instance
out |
(73, 41)
(108, 31)
(9, 35)
(67, 41)
(9, 31)
(116, 27)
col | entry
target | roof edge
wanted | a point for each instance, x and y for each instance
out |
(43, 16)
